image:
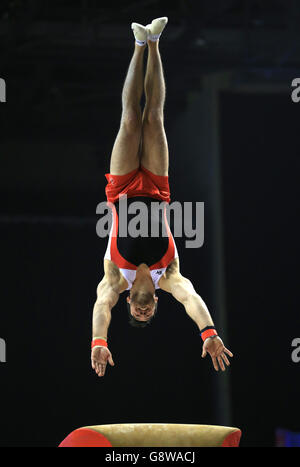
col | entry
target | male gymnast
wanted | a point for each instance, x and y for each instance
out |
(139, 169)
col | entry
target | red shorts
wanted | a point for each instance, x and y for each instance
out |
(138, 182)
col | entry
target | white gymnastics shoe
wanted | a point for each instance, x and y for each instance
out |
(140, 33)
(156, 28)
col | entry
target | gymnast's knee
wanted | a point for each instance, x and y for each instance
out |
(131, 121)
(154, 117)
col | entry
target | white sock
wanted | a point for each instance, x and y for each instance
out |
(156, 28)
(153, 37)
(141, 43)
(140, 33)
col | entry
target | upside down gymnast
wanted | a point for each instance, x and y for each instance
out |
(139, 169)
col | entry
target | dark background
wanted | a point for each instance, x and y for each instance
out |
(64, 64)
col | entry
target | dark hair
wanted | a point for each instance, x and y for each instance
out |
(135, 322)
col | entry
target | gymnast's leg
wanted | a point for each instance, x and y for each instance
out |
(154, 153)
(125, 153)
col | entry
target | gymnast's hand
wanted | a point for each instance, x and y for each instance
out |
(216, 349)
(100, 356)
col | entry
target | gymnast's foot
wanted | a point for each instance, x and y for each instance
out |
(140, 33)
(156, 28)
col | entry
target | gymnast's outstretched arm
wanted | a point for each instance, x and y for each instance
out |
(107, 297)
(182, 289)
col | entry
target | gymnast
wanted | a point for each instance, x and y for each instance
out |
(139, 169)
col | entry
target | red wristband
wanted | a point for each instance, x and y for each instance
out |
(208, 333)
(97, 342)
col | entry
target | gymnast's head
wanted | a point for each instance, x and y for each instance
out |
(142, 306)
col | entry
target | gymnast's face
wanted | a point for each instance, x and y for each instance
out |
(142, 313)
